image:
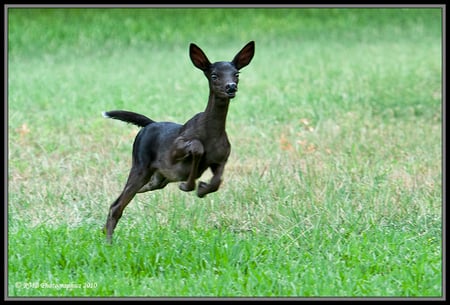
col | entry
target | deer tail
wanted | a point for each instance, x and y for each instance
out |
(129, 117)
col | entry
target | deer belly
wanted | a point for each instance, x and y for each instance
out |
(177, 172)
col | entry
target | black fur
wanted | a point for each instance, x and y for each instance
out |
(165, 152)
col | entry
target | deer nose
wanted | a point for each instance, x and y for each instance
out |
(231, 87)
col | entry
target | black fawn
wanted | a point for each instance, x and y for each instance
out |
(165, 152)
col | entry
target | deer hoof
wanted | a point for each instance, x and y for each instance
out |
(184, 186)
(202, 189)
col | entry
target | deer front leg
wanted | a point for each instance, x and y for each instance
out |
(182, 149)
(213, 185)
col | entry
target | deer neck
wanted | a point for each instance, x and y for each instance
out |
(216, 114)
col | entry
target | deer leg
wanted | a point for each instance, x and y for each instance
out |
(180, 150)
(206, 188)
(196, 150)
(136, 180)
(157, 181)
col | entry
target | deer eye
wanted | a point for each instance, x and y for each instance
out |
(236, 74)
(214, 76)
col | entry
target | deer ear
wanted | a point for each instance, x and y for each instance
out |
(244, 56)
(198, 58)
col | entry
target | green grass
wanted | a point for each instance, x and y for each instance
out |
(334, 183)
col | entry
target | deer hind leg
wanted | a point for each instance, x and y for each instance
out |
(157, 181)
(136, 180)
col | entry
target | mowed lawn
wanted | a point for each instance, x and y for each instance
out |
(334, 183)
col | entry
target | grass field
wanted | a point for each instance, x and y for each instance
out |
(333, 187)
